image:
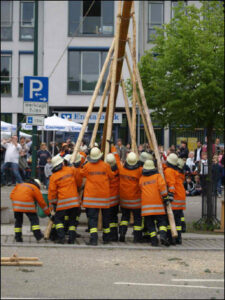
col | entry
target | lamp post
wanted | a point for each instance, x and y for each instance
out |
(34, 133)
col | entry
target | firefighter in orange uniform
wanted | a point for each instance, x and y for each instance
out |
(63, 188)
(175, 191)
(181, 179)
(130, 195)
(97, 194)
(24, 196)
(153, 190)
(114, 197)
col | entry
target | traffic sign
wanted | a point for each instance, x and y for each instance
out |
(35, 120)
(35, 95)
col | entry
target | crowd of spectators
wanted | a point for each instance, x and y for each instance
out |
(16, 161)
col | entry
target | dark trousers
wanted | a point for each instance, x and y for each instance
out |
(41, 173)
(156, 220)
(66, 220)
(92, 214)
(59, 223)
(113, 222)
(137, 222)
(34, 225)
(183, 223)
(177, 218)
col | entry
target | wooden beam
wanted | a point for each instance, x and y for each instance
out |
(126, 105)
(92, 102)
(114, 83)
(107, 85)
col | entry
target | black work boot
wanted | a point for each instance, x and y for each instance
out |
(19, 239)
(164, 241)
(154, 241)
(92, 242)
(72, 236)
(179, 239)
(137, 237)
(183, 224)
(113, 234)
(122, 238)
(40, 236)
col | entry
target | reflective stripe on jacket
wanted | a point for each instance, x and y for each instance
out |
(23, 198)
(130, 193)
(63, 186)
(96, 190)
(153, 188)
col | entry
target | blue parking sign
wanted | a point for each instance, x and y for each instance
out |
(35, 89)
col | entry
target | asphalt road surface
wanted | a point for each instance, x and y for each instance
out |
(69, 273)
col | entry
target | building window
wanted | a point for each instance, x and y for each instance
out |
(84, 68)
(6, 74)
(27, 20)
(26, 67)
(175, 4)
(99, 21)
(155, 17)
(6, 20)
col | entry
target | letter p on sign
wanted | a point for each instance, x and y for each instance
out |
(33, 89)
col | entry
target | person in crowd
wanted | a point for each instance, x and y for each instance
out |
(153, 193)
(24, 197)
(198, 188)
(42, 156)
(53, 148)
(63, 189)
(83, 146)
(198, 153)
(48, 170)
(128, 148)
(221, 163)
(183, 150)
(172, 149)
(130, 195)
(70, 146)
(190, 162)
(12, 153)
(96, 194)
(121, 150)
(3, 177)
(25, 145)
(216, 147)
(217, 174)
(23, 165)
(189, 186)
(203, 169)
(204, 146)
(140, 149)
(114, 184)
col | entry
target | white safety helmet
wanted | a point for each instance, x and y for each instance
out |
(56, 160)
(110, 159)
(38, 182)
(132, 159)
(172, 159)
(78, 158)
(149, 165)
(95, 155)
(67, 157)
(95, 144)
(180, 163)
(144, 156)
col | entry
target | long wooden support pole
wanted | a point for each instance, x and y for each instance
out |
(126, 106)
(91, 105)
(113, 82)
(140, 107)
(155, 145)
(12, 259)
(107, 85)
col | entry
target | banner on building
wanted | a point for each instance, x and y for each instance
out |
(79, 117)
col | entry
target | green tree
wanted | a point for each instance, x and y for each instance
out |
(183, 74)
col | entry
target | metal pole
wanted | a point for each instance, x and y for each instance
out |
(34, 134)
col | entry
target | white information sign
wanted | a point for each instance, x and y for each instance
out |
(35, 120)
(35, 108)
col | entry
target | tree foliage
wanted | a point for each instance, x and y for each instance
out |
(183, 74)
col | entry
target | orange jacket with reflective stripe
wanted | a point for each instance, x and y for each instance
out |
(83, 157)
(130, 193)
(175, 187)
(96, 190)
(180, 194)
(23, 198)
(114, 189)
(153, 187)
(63, 187)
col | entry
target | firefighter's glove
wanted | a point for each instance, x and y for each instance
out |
(52, 218)
(170, 196)
(166, 200)
(88, 151)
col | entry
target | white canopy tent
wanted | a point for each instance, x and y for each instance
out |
(7, 127)
(7, 130)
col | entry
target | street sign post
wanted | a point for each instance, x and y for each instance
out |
(35, 95)
(35, 120)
